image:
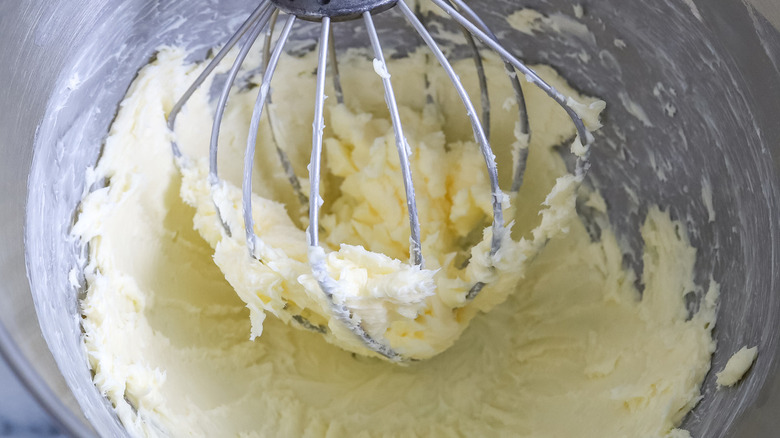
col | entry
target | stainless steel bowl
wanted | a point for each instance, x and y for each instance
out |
(722, 58)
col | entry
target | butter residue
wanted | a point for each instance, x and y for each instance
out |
(737, 366)
(634, 109)
(531, 21)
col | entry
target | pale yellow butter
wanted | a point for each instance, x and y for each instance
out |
(572, 350)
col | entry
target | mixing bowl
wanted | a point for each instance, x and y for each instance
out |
(693, 92)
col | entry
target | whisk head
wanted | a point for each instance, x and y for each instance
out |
(326, 12)
(334, 10)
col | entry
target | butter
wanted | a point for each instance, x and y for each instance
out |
(737, 366)
(188, 336)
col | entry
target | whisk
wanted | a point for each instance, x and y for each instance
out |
(326, 12)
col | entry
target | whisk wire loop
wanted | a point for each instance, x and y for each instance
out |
(318, 127)
(585, 136)
(264, 17)
(212, 65)
(479, 133)
(284, 159)
(523, 127)
(334, 66)
(400, 141)
(316, 254)
(481, 78)
(257, 112)
(225, 93)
